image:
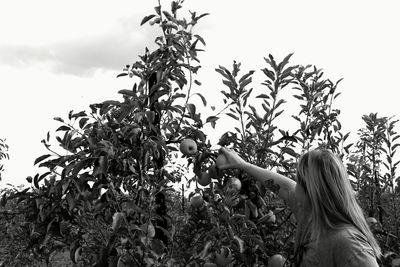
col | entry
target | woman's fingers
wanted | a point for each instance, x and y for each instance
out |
(229, 158)
(223, 150)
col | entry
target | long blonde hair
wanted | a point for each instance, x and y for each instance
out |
(323, 177)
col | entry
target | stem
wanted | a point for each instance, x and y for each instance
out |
(270, 117)
(242, 125)
(188, 94)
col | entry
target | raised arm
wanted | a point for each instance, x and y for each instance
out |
(268, 178)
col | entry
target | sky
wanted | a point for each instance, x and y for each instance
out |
(57, 56)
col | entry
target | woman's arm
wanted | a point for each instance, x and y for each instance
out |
(272, 180)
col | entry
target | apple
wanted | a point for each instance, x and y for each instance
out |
(223, 257)
(197, 201)
(276, 260)
(234, 184)
(221, 161)
(188, 147)
(371, 221)
(204, 179)
(136, 131)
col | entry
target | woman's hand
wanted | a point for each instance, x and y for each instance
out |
(230, 159)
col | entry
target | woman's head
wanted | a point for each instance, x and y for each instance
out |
(326, 191)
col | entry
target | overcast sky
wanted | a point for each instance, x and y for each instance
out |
(57, 56)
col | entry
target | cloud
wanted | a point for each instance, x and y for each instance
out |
(82, 57)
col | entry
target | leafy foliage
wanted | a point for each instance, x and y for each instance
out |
(3, 154)
(111, 197)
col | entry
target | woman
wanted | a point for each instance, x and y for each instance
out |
(331, 227)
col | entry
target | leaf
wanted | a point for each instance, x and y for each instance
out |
(72, 249)
(102, 166)
(212, 120)
(35, 181)
(126, 92)
(202, 98)
(284, 62)
(63, 128)
(191, 109)
(205, 252)
(232, 116)
(58, 119)
(43, 176)
(245, 83)
(200, 39)
(41, 158)
(148, 229)
(150, 115)
(122, 74)
(117, 220)
(240, 243)
(111, 102)
(202, 15)
(289, 151)
(79, 114)
(168, 16)
(157, 246)
(79, 166)
(82, 122)
(77, 254)
(147, 18)
(263, 96)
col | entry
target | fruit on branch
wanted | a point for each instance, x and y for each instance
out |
(204, 179)
(276, 260)
(371, 221)
(188, 147)
(197, 201)
(136, 131)
(233, 184)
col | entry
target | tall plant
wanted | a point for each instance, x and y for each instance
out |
(319, 124)
(373, 165)
(105, 196)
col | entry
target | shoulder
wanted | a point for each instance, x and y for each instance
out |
(351, 248)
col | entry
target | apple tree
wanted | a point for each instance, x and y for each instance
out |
(104, 196)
